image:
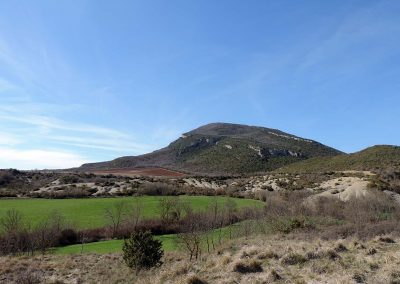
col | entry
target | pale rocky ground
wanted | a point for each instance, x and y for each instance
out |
(203, 183)
(344, 188)
(277, 259)
(349, 184)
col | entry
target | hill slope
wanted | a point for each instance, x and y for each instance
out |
(372, 159)
(222, 148)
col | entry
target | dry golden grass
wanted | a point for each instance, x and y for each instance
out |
(273, 259)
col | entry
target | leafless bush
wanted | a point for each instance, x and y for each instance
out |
(251, 266)
(11, 222)
(196, 280)
(115, 216)
(157, 189)
(191, 237)
(134, 215)
(29, 276)
(171, 209)
(293, 259)
(21, 237)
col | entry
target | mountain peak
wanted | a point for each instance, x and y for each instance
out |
(226, 148)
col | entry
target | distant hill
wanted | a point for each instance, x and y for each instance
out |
(223, 148)
(375, 158)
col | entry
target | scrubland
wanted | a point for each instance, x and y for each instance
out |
(256, 259)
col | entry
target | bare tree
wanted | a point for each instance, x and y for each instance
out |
(82, 239)
(170, 209)
(16, 238)
(115, 216)
(230, 214)
(57, 221)
(215, 218)
(42, 237)
(12, 221)
(191, 236)
(134, 214)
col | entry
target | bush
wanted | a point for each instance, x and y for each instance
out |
(293, 259)
(5, 178)
(156, 189)
(248, 267)
(195, 280)
(142, 251)
(359, 278)
(69, 179)
(68, 237)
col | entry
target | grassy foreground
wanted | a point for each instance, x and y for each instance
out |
(255, 259)
(88, 213)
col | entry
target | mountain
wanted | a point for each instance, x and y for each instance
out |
(224, 148)
(374, 159)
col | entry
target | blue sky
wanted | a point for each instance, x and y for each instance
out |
(85, 81)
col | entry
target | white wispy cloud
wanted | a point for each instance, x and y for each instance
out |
(49, 129)
(108, 143)
(39, 159)
(52, 123)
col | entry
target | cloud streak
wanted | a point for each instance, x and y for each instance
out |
(79, 134)
(39, 159)
(26, 137)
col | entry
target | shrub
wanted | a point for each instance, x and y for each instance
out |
(288, 225)
(68, 237)
(142, 251)
(69, 179)
(268, 255)
(313, 255)
(29, 277)
(293, 259)
(274, 276)
(395, 275)
(387, 240)
(359, 278)
(195, 280)
(5, 178)
(340, 248)
(156, 189)
(331, 254)
(252, 266)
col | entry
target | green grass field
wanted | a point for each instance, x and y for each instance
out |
(171, 242)
(168, 241)
(89, 213)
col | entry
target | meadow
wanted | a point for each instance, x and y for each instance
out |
(169, 242)
(112, 246)
(89, 213)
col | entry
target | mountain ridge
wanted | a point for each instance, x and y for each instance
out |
(225, 148)
(374, 158)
